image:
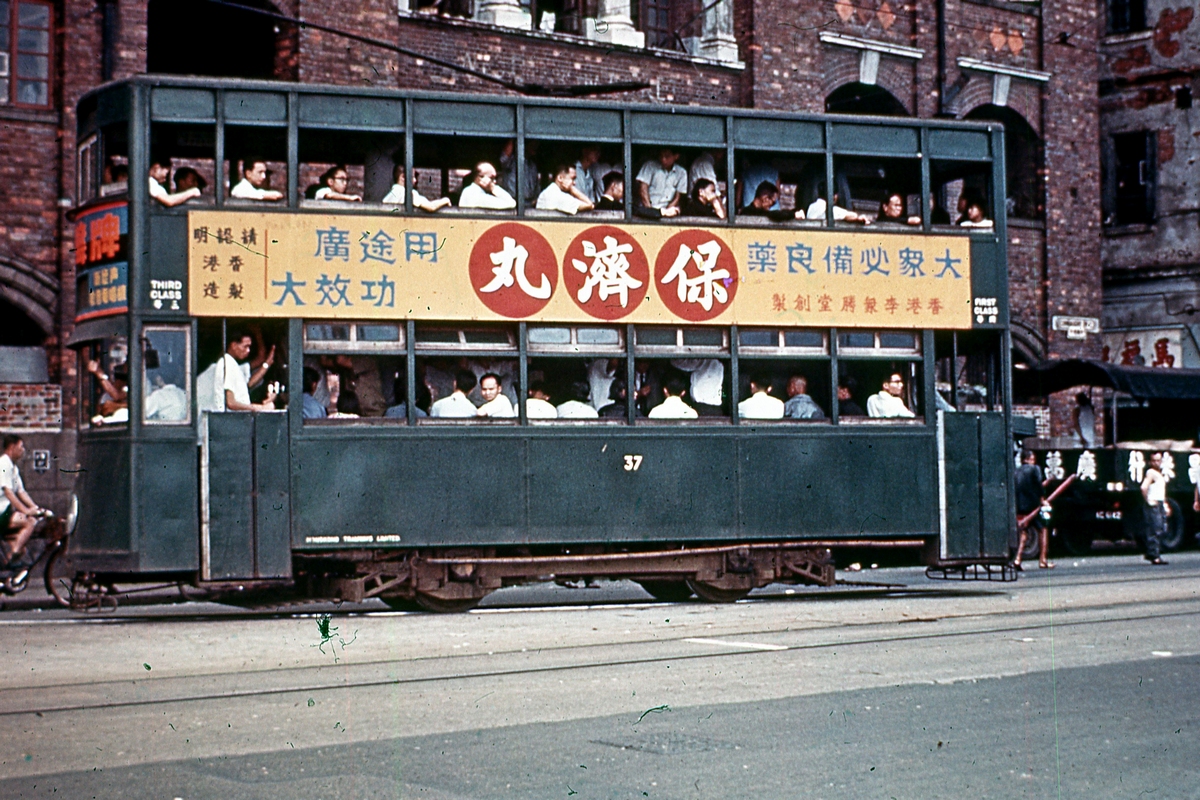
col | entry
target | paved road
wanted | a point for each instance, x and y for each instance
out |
(1077, 682)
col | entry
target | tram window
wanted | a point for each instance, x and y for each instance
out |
(772, 187)
(882, 390)
(753, 340)
(574, 389)
(801, 386)
(879, 343)
(187, 153)
(114, 172)
(444, 166)
(167, 384)
(968, 366)
(324, 337)
(591, 162)
(353, 385)
(246, 147)
(705, 383)
(104, 382)
(445, 338)
(330, 184)
(681, 340)
(264, 365)
(490, 396)
(864, 186)
(364, 159)
(575, 340)
(958, 186)
(87, 173)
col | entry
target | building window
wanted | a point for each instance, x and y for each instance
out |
(669, 24)
(1126, 16)
(1129, 162)
(25, 53)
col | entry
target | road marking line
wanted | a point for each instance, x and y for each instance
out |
(747, 645)
(1162, 653)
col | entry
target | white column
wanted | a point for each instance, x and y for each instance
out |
(716, 39)
(614, 24)
(505, 13)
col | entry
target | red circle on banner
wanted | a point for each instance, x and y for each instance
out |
(700, 266)
(513, 270)
(606, 272)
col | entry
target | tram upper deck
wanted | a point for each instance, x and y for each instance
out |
(535, 297)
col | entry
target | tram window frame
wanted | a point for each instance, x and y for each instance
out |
(455, 158)
(463, 341)
(185, 148)
(551, 152)
(149, 346)
(90, 390)
(798, 175)
(780, 345)
(87, 169)
(354, 341)
(878, 348)
(266, 143)
(573, 346)
(680, 346)
(909, 368)
(862, 194)
(952, 180)
(782, 365)
(114, 153)
(367, 155)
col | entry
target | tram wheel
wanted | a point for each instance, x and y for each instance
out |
(717, 594)
(446, 605)
(667, 591)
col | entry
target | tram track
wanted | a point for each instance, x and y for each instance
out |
(174, 690)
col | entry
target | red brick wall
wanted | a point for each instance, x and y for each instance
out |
(30, 407)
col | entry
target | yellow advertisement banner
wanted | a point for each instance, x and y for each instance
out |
(326, 266)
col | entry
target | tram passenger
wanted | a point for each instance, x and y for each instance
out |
(707, 383)
(160, 173)
(847, 407)
(115, 396)
(400, 409)
(760, 404)
(537, 404)
(600, 375)
(483, 191)
(766, 197)
(647, 385)
(310, 408)
(799, 405)
(937, 214)
(253, 183)
(348, 406)
(704, 200)
(673, 406)
(618, 408)
(816, 210)
(589, 173)
(333, 184)
(705, 166)
(508, 170)
(662, 183)
(888, 401)
(891, 210)
(18, 512)
(457, 405)
(578, 406)
(395, 195)
(224, 386)
(495, 403)
(562, 195)
(613, 196)
(187, 178)
(753, 176)
(975, 217)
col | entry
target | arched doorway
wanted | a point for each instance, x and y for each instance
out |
(1022, 160)
(18, 329)
(193, 37)
(864, 98)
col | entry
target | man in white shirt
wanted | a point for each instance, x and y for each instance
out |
(1154, 491)
(159, 175)
(662, 184)
(254, 178)
(707, 383)
(578, 406)
(456, 405)
(760, 404)
(225, 385)
(484, 192)
(18, 512)
(888, 402)
(395, 196)
(816, 210)
(538, 405)
(495, 403)
(673, 407)
(561, 195)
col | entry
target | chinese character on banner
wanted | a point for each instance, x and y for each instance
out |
(333, 290)
(249, 236)
(760, 257)
(289, 286)
(1086, 468)
(701, 284)
(778, 302)
(608, 275)
(935, 305)
(376, 248)
(869, 305)
(1168, 466)
(81, 251)
(333, 243)
(1137, 466)
(914, 305)
(212, 290)
(848, 304)
(891, 305)
(387, 292)
(211, 263)
(948, 265)
(839, 259)
(802, 303)
(874, 258)
(235, 263)
(911, 262)
(105, 237)
(422, 245)
(1054, 465)
(224, 235)
(824, 302)
(800, 255)
(235, 291)
(200, 234)
(513, 270)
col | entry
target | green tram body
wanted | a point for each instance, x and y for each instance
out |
(415, 511)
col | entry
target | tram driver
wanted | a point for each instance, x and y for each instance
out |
(225, 385)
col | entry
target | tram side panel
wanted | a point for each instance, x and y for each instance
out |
(168, 505)
(103, 538)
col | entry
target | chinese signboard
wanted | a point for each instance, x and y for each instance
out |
(447, 268)
(101, 263)
(1157, 348)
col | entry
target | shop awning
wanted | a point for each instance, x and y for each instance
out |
(1140, 382)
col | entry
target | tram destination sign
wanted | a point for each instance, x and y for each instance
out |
(452, 268)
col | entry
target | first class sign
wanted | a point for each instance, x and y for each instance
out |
(574, 271)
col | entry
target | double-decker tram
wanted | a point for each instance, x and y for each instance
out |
(318, 347)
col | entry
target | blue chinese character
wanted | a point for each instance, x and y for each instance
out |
(839, 259)
(874, 257)
(289, 287)
(948, 265)
(761, 257)
(911, 261)
(376, 248)
(420, 245)
(387, 289)
(800, 255)
(333, 292)
(333, 243)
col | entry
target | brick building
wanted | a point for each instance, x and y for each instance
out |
(1150, 145)
(1030, 65)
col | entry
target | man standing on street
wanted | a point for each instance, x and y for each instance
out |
(1154, 490)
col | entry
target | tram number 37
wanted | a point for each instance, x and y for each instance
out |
(633, 463)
